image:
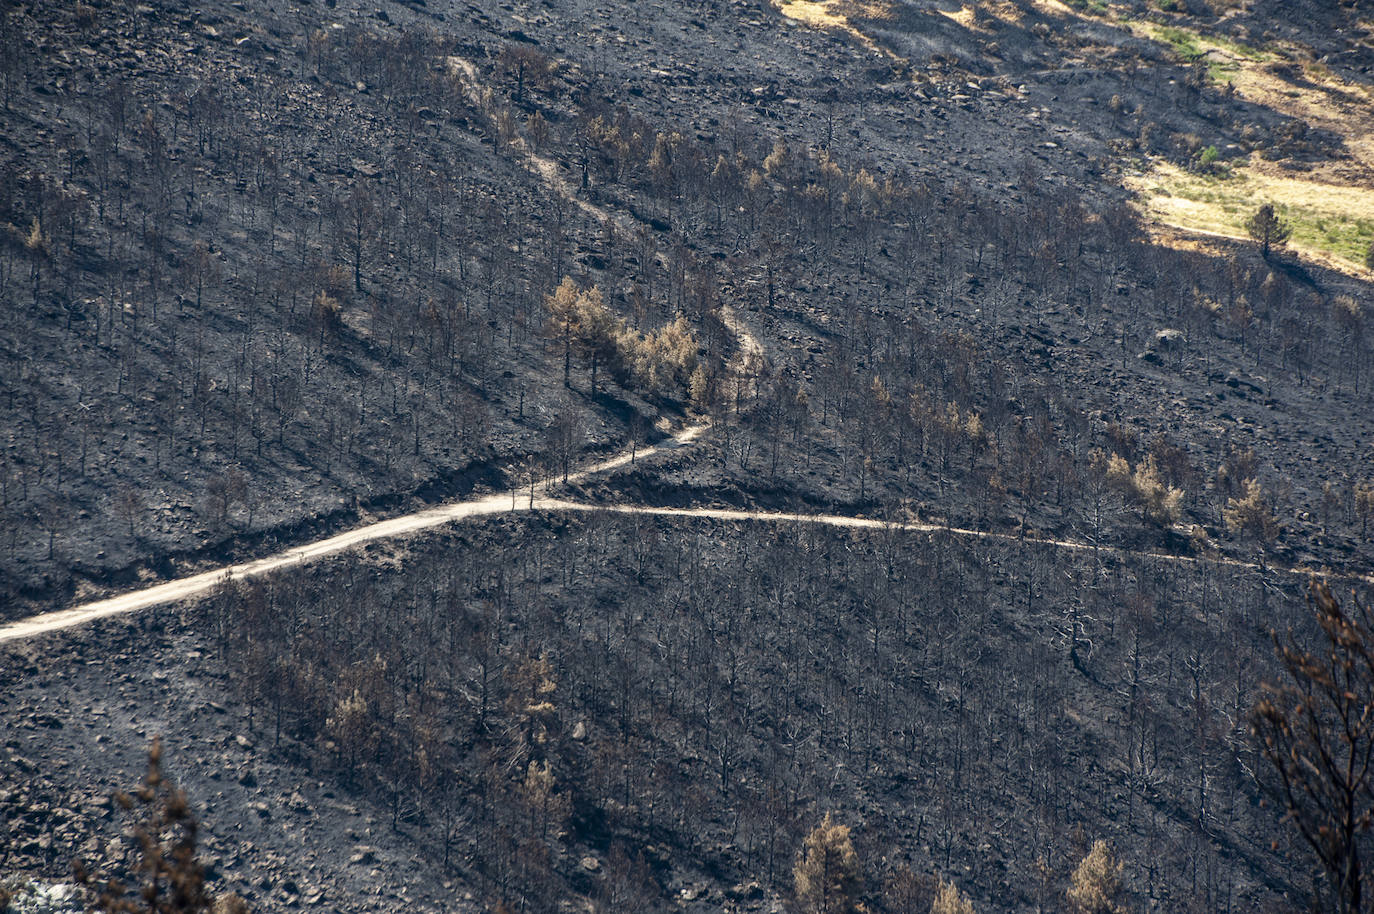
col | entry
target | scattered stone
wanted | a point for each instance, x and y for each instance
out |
(745, 891)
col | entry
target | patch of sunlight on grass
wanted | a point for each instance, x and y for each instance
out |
(1054, 7)
(1278, 79)
(818, 13)
(834, 14)
(831, 14)
(1191, 45)
(1323, 101)
(1092, 7)
(1224, 58)
(964, 16)
(1320, 93)
(1332, 223)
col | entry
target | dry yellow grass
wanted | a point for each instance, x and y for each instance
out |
(975, 16)
(1328, 105)
(817, 13)
(964, 16)
(1330, 204)
(1260, 76)
(1054, 8)
(1332, 223)
(1007, 11)
(834, 14)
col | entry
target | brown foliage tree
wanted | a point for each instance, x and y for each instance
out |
(1096, 884)
(1251, 515)
(826, 875)
(949, 900)
(1317, 731)
(524, 64)
(171, 877)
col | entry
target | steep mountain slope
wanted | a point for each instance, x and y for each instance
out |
(270, 272)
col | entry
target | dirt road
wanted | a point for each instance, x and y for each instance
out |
(201, 584)
(518, 501)
(748, 349)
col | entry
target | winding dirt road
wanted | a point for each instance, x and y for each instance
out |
(748, 350)
(520, 501)
(200, 584)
